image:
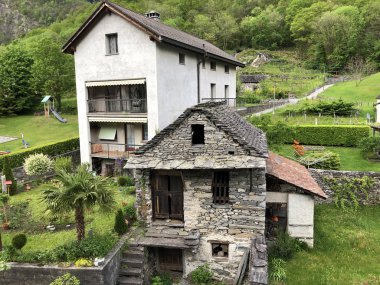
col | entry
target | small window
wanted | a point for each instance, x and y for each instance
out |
(226, 69)
(203, 63)
(212, 65)
(219, 249)
(181, 58)
(111, 44)
(220, 187)
(226, 91)
(212, 90)
(145, 132)
(197, 134)
(108, 134)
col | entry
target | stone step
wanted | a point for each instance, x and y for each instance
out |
(133, 254)
(131, 271)
(129, 281)
(132, 262)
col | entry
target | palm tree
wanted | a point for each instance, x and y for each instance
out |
(77, 192)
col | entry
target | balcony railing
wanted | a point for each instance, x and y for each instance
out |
(112, 150)
(117, 106)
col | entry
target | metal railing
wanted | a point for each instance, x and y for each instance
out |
(229, 101)
(112, 150)
(117, 105)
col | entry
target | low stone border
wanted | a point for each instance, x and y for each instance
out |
(30, 274)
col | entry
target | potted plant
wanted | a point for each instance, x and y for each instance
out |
(4, 198)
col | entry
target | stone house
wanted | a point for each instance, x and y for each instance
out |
(202, 188)
(134, 76)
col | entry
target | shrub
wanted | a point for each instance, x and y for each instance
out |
(131, 190)
(7, 172)
(201, 275)
(64, 163)
(38, 164)
(17, 158)
(162, 279)
(19, 241)
(122, 181)
(339, 108)
(277, 270)
(66, 279)
(369, 145)
(285, 246)
(83, 262)
(130, 212)
(321, 160)
(120, 226)
(248, 97)
(330, 135)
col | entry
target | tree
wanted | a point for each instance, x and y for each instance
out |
(120, 226)
(38, 164)
(16, 91)
(7, 172)
(359, 67)
(77, 192)
(53, 71)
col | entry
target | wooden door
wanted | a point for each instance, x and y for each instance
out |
(170, 259)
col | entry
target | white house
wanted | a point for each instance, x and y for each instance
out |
(135, 75)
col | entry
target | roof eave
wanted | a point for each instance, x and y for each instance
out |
(201, 51)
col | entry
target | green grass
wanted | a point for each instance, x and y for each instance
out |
(350, 158)
(37, 130)
(35, 220)
(347, 247)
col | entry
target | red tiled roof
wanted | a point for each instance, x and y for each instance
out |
(293, 173)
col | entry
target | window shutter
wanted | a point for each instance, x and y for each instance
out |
(162, 198)
(176, 197)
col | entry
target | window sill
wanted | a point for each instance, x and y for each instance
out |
(220, 259)
(110, 54)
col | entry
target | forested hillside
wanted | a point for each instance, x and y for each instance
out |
(332, 35)
(17, 17)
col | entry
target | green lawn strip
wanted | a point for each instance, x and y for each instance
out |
(37, 130)
(346, 248)
(350, 158)
(40, 239)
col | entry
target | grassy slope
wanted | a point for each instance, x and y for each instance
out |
(37, 130)
(347, 247)
(350, 158)
(40, 239)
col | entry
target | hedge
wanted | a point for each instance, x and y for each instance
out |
(17, 158)
(328, 135)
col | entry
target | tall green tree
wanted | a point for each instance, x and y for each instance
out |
(53, 71)
(77, 192)
(16, 89)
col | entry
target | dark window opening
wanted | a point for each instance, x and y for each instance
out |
(203, 63)
(226, 69)
(170, 259)
(219, 249)
(212, 65)
(197, 134)
(220, 187)
(181, 58)
(212, 90)
(276, 215)
(168, 197)
(111, 44)
(144, 132)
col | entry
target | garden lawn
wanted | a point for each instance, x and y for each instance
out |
(350, 158)
(347, 249)
(34, 220)
(37, 130)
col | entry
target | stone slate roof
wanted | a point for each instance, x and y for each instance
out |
(158, 31)
(293, 173)
(252, 78)
(245, 134)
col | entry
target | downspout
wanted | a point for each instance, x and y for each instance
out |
(198, 73)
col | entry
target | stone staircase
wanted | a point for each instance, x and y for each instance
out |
(131, 270)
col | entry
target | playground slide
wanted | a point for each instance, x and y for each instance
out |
(59, 118)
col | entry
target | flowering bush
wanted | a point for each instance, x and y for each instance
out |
(38, 164)
(84, 262)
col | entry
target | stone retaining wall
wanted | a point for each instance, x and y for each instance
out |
(374, 193)
(259, 108)
(30, 274)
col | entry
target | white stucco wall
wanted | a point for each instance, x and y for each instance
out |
(136, 59)
(378, 111)
(219, 78)
(301, 217)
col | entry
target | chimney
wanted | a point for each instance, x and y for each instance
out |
(153, 15)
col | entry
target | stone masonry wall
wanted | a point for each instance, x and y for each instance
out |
(374, 193)
(179, 146)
